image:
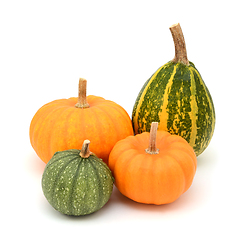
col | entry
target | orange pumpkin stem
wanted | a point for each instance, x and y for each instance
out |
(152, 144)
(180, 46)
(82, 94)
(85, 151)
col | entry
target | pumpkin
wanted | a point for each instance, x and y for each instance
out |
(177, 98)
(153, 168)
(65, 123)
(77, 182)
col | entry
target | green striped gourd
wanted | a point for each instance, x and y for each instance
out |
(77, 182)
(177, 97)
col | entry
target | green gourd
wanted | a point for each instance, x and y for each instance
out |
(177, 98)
(77, 182)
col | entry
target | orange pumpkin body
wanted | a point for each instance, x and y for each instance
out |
(60, 125)
(153, 178)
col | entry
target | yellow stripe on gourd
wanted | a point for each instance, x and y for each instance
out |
(194, 111)
(205, 142)
(163, 114)
(135, 120)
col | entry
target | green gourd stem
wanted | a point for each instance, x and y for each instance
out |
(85, 151)
(82, 95)
(152, 142)
(180, 46)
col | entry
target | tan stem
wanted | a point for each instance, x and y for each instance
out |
(152, 143)
(85, 151)
(180, 46)
(82, 94)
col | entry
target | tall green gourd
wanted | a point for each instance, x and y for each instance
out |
(77, 182)
(177, 97)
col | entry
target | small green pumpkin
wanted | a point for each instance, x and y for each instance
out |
(77, 182)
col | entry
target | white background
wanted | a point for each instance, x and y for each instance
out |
(45, 46)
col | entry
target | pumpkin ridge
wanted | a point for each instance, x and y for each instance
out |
(120, 159)
(73, 124)
(95, 100)
(111, 120)
(57, 159)
(129, 165)
(98, 130)
(115, 107)
(83, 115)
(180, 184)
(169, 154)
(83, 163)
(100, 160)
(63, 127)
(46, 121)
(34, 133)
(145, 177)
(74, 184)
(130, 152)
(181, 147)
(44, 108)
(61, 170)
(99, 183)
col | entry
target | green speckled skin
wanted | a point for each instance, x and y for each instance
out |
(177, 98)
(76, 186)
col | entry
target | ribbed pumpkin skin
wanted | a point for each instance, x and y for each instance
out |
(153, 178)
(76, 186)
(177, 98)
(59, 125)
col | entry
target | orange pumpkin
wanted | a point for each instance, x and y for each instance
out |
(65, 123)
(158, 174)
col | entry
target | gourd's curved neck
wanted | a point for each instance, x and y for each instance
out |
(180, 46)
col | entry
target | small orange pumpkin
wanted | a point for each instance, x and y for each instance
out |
(65, 123)
(158, 174)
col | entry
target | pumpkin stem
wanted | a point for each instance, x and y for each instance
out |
(152, 144)
(82, 94)
(85, 151)
(180, 46)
